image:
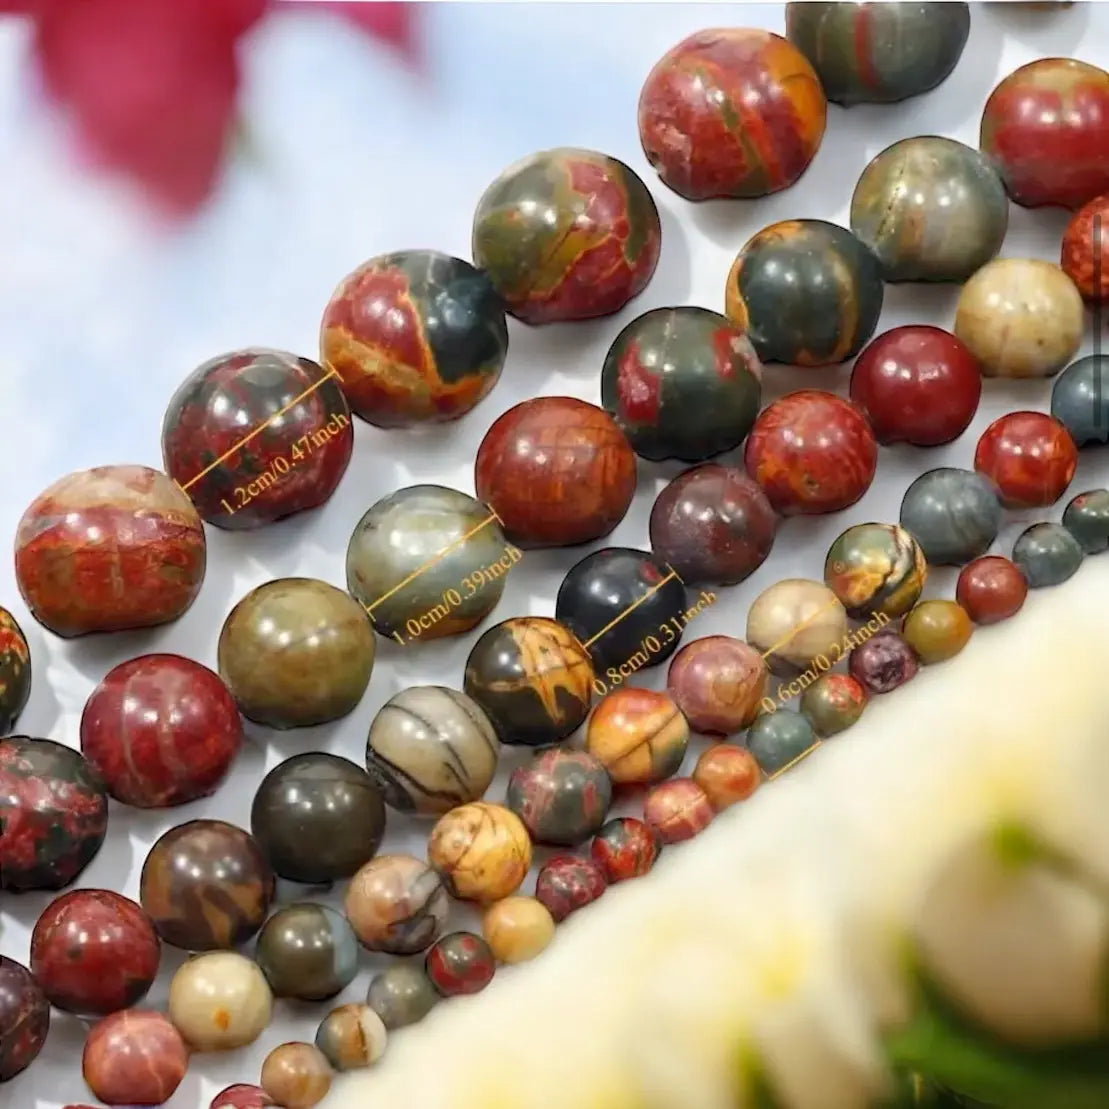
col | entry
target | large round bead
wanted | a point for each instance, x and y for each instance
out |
(206, 885)
(1046, 126)
(557, 472)
(953, 514)
(428, 562)
(53, 814)
(682, 383)
(567, 234)
(811, 452)
(24, 1018)
(481, 851)
(731, 112)
(161, 730)
(876, 568)
(108, 549)
(879, 53)
(256, 435)
(806, 291)
(414, 337)
(15, 671)
(931, 208)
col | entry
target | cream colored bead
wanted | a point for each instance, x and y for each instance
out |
(220, 1000)
(517, 929)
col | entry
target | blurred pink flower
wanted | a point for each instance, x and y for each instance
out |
(152, 85)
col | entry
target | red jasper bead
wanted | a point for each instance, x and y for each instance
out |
(161, 730)
(1029, 456)
(94, 952)
(918, 385)
(811, 452)
(1046, 126)
(1085, 253)
(991, 589)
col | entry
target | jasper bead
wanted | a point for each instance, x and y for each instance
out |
(1080, 400)
(1020, 317)
(876, 569)
(1087, 519)
(795, 621)
(953, 514)
(317, 817)
(879, 54)
(728, 775)
(567, 883)
(917, 384)
(937, 630)
(460, 963)
(242, 1096)
(481, 851)
(134, 1057)
(833, 703)
(624, 848)
(883, 663)
(1047, 554)
(24, 1018)
(677, 810)
(931, 208)
(220, 1000)
(517, 929)
(713, 525)
(1029, 456)
(296, 1075)
(1046, 127)
(161, 730)
(15, 671)
(307, 951)
(396, 904)
(717, 682)
(811, 452)
(779, 739)
(991, 589)
(731, 112)
(352, 1036)
(108, 549)
(402, 994)
(1086, 249)
(638, 735)
(94, 952)
(561, 796)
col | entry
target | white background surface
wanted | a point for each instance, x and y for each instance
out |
(102, 316)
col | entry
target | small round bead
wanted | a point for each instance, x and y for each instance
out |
(352, 1036)
(728, 775)
(638, 735)
(717, 682)
(1047, 554)
(780, 738)
(517, 929)
(795, 621)
(296, 1075)
(562, 796)
(875, 568)
(396, 904)
(134, 1057)
(1087, 519)
(833, 703)
(991, 589)
(401, 995)
(937, 630)
(220, 1000)
(677, 810)
(482, 851)
(567, 883)
(624, 848)
(460, 963)
(307, 951)
(242, 1096)
(883, 662)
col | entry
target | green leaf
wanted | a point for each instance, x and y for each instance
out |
(952, 1053)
